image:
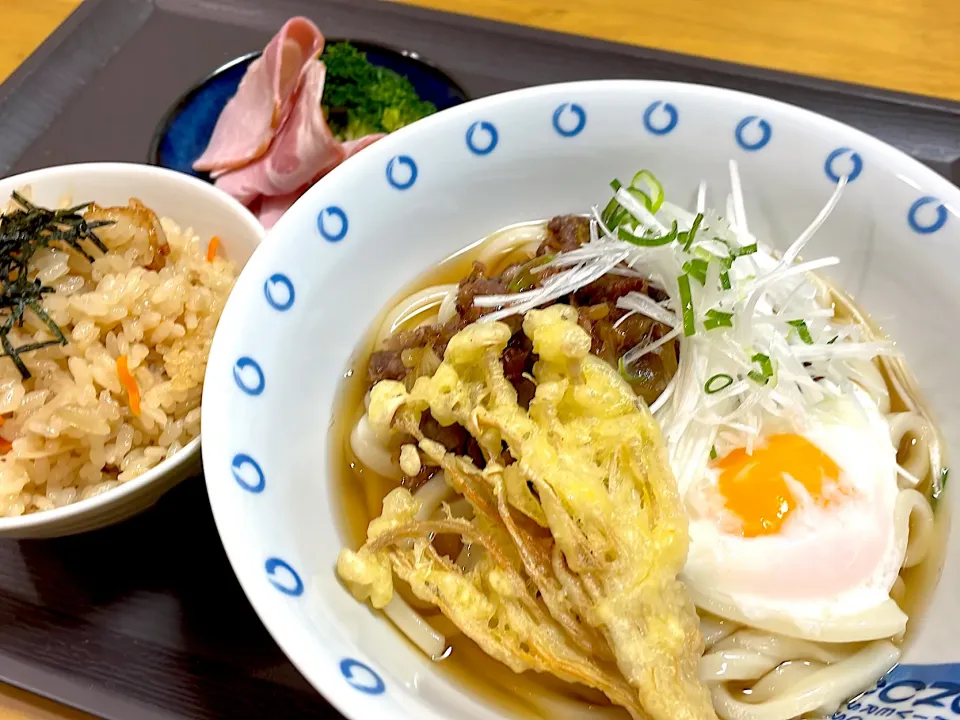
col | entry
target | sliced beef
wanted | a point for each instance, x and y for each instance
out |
(386, 365)
(434, 336)
(609, 289)
(518, 357)
(565, 233)
(473, 286)
(598, 315)
(454, 438)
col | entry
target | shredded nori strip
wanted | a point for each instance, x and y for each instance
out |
(22, 233)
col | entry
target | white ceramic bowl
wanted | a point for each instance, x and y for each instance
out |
(372, 225)
(191, 203)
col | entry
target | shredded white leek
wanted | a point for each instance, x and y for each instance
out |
(767, 297)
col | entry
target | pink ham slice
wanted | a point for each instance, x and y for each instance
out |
(264, 99)
(272, 207)
(302, 150)
(352, 147)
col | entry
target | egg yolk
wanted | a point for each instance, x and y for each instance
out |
(755, 488)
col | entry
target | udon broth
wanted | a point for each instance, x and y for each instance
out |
(359, 493)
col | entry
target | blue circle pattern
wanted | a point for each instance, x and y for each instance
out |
(368, 681)
(765, 130)
(411, 166)
(492, 135)
(238, 372)
(854, 158)
(337, 234)
(936, 224)
(577, 110)
(269, 291)
(241, 460)
(672, 117)
(290, 585)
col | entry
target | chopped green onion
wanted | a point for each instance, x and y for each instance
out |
(745, 250)
(802, 330)
(697, 269)
(717, 318)
(713, 452)
(654, 199)
(686, 305)
(642, 198)
(725, 280)
(625, 372)
(607, 216)
(608, 212)
(735, 253)
(720, 381)
(763, 375)
(524, 278)
(835, 338)
(629, 237)
(688, 236)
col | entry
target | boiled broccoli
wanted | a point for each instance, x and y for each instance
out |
(360, 98)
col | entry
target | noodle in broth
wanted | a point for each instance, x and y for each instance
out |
(753, 673)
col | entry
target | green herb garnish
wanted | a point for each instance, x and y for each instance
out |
(688, 236)
(717, 318)
(802, 331)
(640, 241)
(697, 269)
(525, 278)
(23, 232)
(686, 305)
(713, 452)
(745, 250)
(360, 98)
(763, 375)
(718, 382)
(652, 198)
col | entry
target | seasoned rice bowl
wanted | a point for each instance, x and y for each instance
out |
(72, 431)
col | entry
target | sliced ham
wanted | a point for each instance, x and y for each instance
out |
(270, 208)
(272, 142)
(303, 149)
(265, 98)
(352, 147)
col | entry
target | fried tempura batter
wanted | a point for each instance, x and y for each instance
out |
(576, 510)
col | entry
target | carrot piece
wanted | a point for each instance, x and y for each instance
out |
(212, 248)
(5, 445)
(129, 383)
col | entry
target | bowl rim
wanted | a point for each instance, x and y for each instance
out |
(301, 648)
(35, 520)
(160, 131)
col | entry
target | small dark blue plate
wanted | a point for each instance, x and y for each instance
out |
(185, 130)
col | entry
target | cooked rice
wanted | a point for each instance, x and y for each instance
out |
(72, 431)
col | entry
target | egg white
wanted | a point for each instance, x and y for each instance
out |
(830, 569)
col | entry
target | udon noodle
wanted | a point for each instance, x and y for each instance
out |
(753, 670)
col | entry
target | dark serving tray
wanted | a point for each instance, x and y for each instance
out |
(145, 620)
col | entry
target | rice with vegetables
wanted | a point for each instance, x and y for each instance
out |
(106, 321)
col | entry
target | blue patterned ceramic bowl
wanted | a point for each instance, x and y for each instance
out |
(367, 229)
(184, 132)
